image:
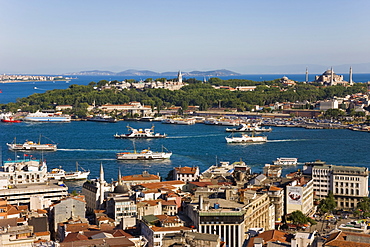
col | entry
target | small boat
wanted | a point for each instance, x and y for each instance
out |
(246, 139)
(167, 121)
(104, 119)
(145, 154)
(184, 121)
(31, 146)
(60, 174)
(249, 128)
(10, 120)
(140, 133)
(286, 161)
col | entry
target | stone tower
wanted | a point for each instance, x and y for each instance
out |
(179, 77)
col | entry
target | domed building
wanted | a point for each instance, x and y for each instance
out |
(329, 78)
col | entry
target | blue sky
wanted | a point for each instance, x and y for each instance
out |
(249, 37)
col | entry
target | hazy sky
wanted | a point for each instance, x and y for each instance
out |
(50, 36)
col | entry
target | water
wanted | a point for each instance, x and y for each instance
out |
(12, 91)
(92, 143)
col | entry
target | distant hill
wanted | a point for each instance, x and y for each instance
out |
(132, 72)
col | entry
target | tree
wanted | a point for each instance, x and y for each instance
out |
(297, 217)
(328, 204)
(364, 206)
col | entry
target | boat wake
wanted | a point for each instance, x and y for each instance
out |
(88, 150)
(286, 140)
(198, 136)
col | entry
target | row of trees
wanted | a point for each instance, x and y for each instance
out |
(196, 93)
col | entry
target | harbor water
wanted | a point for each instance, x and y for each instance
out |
(92, 143)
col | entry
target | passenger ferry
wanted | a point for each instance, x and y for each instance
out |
(249, 128)
(286, 161)
(31, 146)
(145, 154)
(246, 139)
(140, 133)
(47, 117)
(60, 174)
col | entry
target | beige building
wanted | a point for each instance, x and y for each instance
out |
(299, 196)
(349, 184)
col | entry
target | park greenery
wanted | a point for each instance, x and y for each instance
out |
(196, 93)
(298, 218)
(328, 204)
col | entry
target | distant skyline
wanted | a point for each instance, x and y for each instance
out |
(247, 37)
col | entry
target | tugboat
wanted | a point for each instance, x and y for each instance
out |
(140, 133)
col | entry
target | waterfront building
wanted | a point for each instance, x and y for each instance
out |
(186, 174)
(23, 181)
(349, 184)
(299, 195)
(130, 108)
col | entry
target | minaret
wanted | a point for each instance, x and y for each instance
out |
(332, 77)
(119, 177)
(179, 77)
(306, 75)
(101, 185)
(350, 76)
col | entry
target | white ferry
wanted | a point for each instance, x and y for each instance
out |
(60, 174)
(47, 117)
(140, 133)
(246, 139)
(31, 146)
(249, 128)
(145, 154)
(286, 161)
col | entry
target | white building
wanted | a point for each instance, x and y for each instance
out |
(299, 196)
(349, 184)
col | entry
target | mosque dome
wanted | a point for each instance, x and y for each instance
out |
(120, 189)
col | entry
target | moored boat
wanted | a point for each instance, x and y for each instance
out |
(31, 146)
(104, 119)
(10, 120)
(246, 139)
(249, 128)
(140, 133)
(145, 154)
(47, 117)
(286, 161)
(60, 174)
